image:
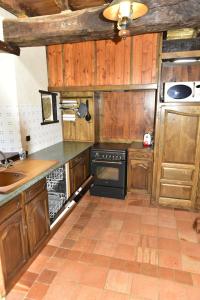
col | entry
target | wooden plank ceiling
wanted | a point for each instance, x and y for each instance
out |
(32, 8)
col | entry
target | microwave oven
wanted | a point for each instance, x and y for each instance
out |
(188, 91)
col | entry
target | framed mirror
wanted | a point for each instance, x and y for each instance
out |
(49, 107)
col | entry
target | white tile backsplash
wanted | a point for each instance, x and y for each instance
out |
(42, 136)
(10, 139)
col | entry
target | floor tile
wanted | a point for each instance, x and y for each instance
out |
(105, 248)
(85, 245)
(126, 252)
(88, 293)
(172, 291)
(110, 295)
(168, 233)
(183, 277)
(38, 291)
(170, 259)
(196, 280)
(68, 244)
(169, 244)
(145, 286)
(47, 276)
(119, 281)
(62, 291)
(94, 276)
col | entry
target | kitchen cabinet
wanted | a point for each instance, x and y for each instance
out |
(103, 63)
(140, 164)
(13, 240)
(176, 171)
(78, 170)
(37, 215)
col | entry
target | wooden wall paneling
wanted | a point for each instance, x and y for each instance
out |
(55, 65)
(79, 60)
(180, 72)
(144, 60)
(100, 62)
(125, 116)
(113, 62)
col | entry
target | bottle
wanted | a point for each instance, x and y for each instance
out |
(22, 154)
(147, 140)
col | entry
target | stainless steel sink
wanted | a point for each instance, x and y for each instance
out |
(8, 178)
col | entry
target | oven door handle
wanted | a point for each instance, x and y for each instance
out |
(107, 162)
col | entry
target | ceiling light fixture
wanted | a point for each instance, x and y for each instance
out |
(123, 11)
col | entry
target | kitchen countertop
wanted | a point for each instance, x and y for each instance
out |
(139, 146)
(62, 152)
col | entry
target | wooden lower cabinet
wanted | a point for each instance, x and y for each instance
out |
(78, 170)
(140, 176)
(24, 228)
(140, 166)
(37, 221)
(13, 245)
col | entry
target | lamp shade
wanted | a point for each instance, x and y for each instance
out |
(120, 8)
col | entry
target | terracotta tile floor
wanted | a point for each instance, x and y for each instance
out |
(117, 250)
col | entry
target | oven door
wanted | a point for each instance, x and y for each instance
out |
(109, 173)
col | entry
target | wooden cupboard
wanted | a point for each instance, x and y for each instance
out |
(13, 240)
(104, 63)
(37, 221)
(140, 168)
(78, 170)
(177, 155)
(24, 227)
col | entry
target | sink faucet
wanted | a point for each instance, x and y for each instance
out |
(7, 163)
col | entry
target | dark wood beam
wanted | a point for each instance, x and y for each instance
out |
(181, 45)
(89, 24)
(9, 48)
(18, 8)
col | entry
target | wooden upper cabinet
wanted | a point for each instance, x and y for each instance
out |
(55, 65)
(105, 62)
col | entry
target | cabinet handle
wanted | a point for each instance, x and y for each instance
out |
(141, 165)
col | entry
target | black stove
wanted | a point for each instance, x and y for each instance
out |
(109, 169)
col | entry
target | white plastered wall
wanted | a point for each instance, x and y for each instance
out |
(21, 78)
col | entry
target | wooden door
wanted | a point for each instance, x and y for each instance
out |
(13, 246)
(37, 218)
(139, 175)
(178, 155)
(79, 172)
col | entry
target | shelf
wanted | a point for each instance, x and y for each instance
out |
(151, 86)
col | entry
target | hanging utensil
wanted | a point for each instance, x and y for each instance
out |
(82, 110)
(88, 115)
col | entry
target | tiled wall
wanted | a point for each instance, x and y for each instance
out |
(10, 139)
(42, 136)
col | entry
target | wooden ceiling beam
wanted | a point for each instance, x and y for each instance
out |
(9, 48)
(89, 24)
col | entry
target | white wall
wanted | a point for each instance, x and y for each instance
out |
(21, 78)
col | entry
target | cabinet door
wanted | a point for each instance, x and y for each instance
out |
(178, 155)
(37, 221)
(79, 172)
(13, 246)
(139, 175)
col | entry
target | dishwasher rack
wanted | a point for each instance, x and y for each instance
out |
(57, 192)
